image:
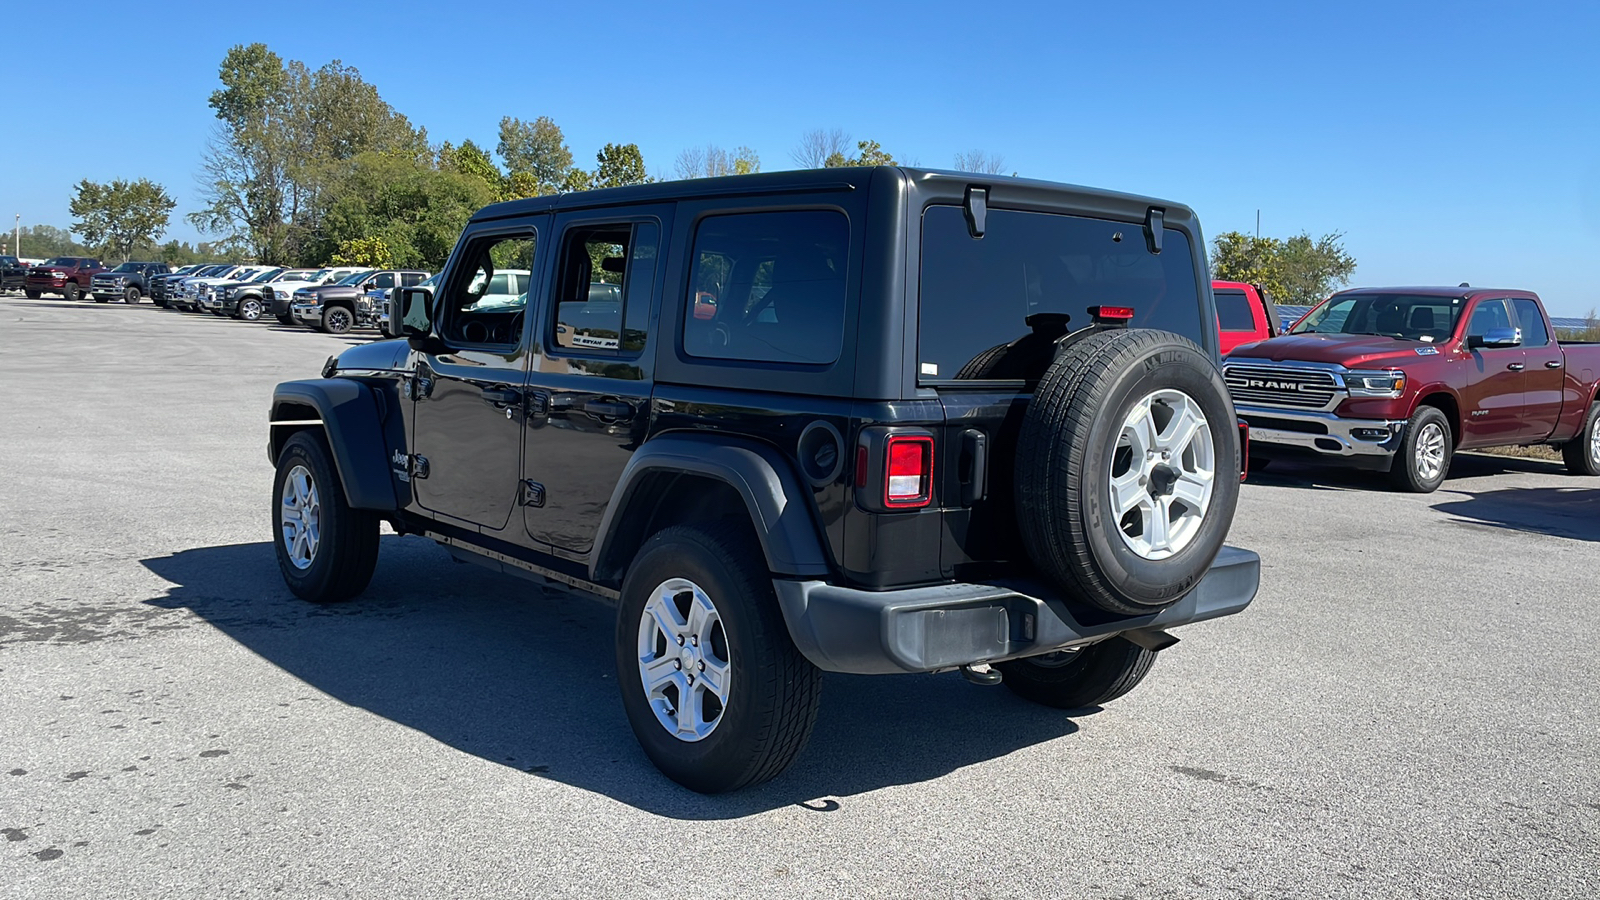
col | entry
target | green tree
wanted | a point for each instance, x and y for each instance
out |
(44, 241)
(285, 134)
(369, 251)
(122, 215)
(471, 160)
(1300, 271)
(868, 153)
(537, 149)
(619, 165)
(415, 209)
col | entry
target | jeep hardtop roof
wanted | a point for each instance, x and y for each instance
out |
(922, 181)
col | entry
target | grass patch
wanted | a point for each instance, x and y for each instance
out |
(1538, 451)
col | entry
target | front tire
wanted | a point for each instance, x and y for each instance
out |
(131, 295)
(70, 292)
(1582, 453)
(1078, 679)
(716, 693)
(32, 294)
(337, 320)
(1423, 459)
(326, 550)
(249, 310)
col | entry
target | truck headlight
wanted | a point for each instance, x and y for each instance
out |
(1389, 383)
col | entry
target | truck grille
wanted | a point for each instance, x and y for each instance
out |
(1287, 386)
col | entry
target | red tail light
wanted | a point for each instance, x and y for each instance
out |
(908, 477)
(1111, 315)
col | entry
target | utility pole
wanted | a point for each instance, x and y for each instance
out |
(16, 236)
(1258, 224)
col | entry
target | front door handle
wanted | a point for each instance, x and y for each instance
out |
(501, 396)
(1515, 367)
(609, 409)
(1553, 364)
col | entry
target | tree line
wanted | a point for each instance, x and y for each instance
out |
(308, 167)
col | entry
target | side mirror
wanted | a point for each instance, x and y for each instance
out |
(410, 313)
(1496, 338)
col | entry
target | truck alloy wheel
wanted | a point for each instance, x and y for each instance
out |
(713, 687)
(1127, 470)
(1423, 459)
(1582, 453)
(70, 292)
(337, 320)
(249, 309)
(326, 550)
(131, 295)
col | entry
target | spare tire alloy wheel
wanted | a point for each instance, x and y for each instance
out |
(336, 320)
(1126, 478)
(1163, 474)
(683, 659)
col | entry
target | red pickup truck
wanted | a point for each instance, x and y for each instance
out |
(1398, 379)
(68, 276)
(1244, 314)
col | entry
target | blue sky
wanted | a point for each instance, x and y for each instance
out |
(1448, 141)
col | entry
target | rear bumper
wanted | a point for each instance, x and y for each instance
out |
(941, 627)
(1362, 441)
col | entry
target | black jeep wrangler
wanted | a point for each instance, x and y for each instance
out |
(870, 420)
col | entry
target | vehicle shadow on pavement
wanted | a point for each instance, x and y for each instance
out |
(1560, 512)
(1313, 476)
(522, 675)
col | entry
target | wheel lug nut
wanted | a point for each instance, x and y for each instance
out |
(695, 640)
(691, 679)
(676, 664)
(702, 665)
(680, 640)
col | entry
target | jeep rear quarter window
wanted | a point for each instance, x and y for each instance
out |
(769, 287)
(978, 294)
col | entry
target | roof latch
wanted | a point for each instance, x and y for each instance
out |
(977, 208)
(1153, 227)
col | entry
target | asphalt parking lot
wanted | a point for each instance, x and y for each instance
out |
(1409, 709)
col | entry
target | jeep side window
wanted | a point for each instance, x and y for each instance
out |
(769, 287)
(603, 299)
(479, 306)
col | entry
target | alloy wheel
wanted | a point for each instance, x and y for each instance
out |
(684, 662)
(301, 517)
(1430, 451)
(1163, 474)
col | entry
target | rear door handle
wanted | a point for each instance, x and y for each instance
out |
(1553, 364)
(1515, 367)
(500, 396)
(609, 409)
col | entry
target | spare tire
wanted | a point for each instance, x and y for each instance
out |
(1128, 469)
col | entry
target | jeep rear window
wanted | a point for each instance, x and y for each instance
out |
(978, 294)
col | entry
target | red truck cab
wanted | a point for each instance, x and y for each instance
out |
(1245, 313)
(1398, 379)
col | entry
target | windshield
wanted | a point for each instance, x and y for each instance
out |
(1409, 317)
(266, 276)
(60, 261)
(213, 270)
(292, 275)
(354, 277)
(128, 267)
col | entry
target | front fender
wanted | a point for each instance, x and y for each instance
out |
(773, 496)
(348, 413)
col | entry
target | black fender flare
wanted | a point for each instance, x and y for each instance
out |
(347, 412)
(775, 498)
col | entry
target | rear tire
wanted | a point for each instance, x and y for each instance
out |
(1127, 470)
(285, 319)
(1582, 453)
(131, 295)
(326, 550)
(708, 587)
(1423, 460)
(1077, 679)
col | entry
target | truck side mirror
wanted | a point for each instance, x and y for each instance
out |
(410, 315)
(1496, 338)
